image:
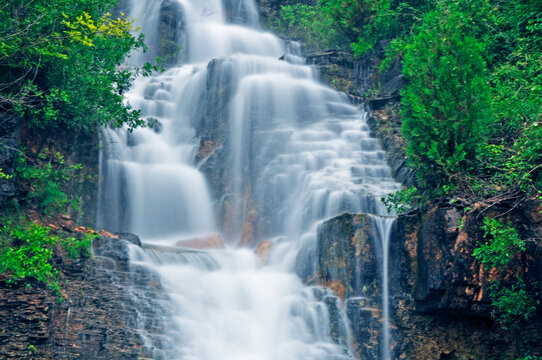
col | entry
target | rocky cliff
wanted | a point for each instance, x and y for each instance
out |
(439, 293)
(110, 309)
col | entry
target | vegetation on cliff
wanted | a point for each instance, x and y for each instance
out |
(62, 73)
(27, 251)
(61, 63)
(473, 102)
(471, 109)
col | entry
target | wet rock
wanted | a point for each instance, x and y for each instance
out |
(155, 125)
(337, 69)
(212, 128)
(337, 324)
(350, 260)
(385, 123)
(365, 325)
(347, 255)
(210, 242)
(131, 238)
(172, 25)
(445, 308)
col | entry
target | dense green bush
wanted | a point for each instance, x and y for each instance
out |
(502, 241)
(339, 24)
(512, 305)
(61, 63)
(27, 251)
(515, 303)
(308, 24)
(446, 104)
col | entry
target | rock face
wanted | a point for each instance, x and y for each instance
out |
(339, 70)
(439, 293)
(448, 290)
(107, 299)
(172, 25)
(264, 250)
(349, 261)
(76, 148)
(10, 132)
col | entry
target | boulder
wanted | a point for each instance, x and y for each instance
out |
(347, 255)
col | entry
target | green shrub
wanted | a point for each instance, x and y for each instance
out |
(32, 257)
(310, 25)
(511, 305)
(446, 103)
(61, 63)
(502, 242)
(28, 249)
(47, 179)
(401, 200)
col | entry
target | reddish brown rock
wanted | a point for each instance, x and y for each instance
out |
(263, 250)
(210, 242)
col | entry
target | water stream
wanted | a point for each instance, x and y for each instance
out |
(291, 153)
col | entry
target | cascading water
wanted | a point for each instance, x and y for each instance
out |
(384, 226)
(294, 153)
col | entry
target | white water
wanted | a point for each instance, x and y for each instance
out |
(384, 226)
(299, 151)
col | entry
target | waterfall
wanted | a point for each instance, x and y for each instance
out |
(384, 226)
(245, 146)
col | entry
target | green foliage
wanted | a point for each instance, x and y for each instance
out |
(401, 200)
(33, 257)
(77, 247)
(60, 63)
(4, 176)
(310, 25)
(28, 249)
(511, 305)
(502, 241)
(446, 103)
(472, 108)
(513, 157)
(338, 24)
(47, 179)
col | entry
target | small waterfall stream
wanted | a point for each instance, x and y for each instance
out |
(384, 226)
(291, 153)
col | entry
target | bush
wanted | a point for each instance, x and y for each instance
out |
(503, 242)
(446, 102)
(511, 305)
(61, 63)
(28, 250)
(310, 25)
(46, 180)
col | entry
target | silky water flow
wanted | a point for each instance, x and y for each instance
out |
(298, 153)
